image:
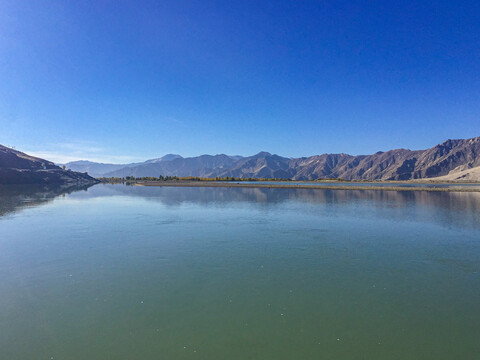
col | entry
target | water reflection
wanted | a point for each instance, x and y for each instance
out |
(447, 208)
(15, 198)
(238, 273)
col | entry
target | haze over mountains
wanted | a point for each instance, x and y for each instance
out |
(448, 158)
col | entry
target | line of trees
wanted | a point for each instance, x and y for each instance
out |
(132, 179)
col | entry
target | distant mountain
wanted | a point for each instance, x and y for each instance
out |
(92, 168)
(100, 169)
(205, 166)
(168, 157)
(19, 168)
(399, 164)
(261, 165)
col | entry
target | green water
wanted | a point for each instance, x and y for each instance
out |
(119, 272)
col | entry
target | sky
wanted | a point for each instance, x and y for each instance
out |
(123, 81)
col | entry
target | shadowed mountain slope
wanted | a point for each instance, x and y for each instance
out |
(19, 168)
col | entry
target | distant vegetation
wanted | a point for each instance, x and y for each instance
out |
(133, 179)
(230, 178)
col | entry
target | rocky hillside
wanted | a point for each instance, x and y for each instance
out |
(461, 173)
(19, 168)
(400, 164)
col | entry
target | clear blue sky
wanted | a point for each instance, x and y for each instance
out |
(129, 80)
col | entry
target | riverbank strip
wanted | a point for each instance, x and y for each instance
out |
(301, 186)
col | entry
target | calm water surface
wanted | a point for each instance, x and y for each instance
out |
(119, 272)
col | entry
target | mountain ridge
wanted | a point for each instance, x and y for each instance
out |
(396, 164)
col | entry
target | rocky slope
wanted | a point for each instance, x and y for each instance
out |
(19, 168)
(461, 173)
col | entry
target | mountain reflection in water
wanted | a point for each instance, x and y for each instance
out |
(446, 208)
(15, 198)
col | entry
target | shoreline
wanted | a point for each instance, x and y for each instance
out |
(301, 186)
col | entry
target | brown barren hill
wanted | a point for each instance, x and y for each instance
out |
(19, 168)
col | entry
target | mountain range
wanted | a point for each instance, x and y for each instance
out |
(454, 159)
(19, 168)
